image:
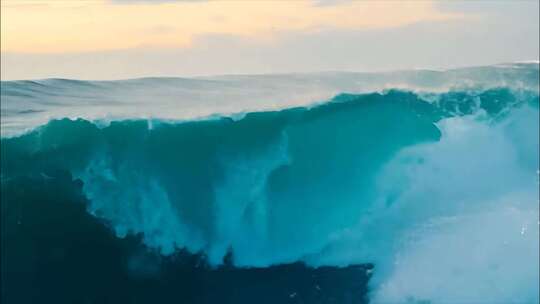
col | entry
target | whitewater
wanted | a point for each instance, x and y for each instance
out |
(431, 176)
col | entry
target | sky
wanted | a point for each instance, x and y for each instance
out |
(118, 39)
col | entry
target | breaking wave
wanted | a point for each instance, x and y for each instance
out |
(439, 191)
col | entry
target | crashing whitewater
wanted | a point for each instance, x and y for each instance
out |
(437, 187)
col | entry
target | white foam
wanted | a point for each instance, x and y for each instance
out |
(456, 220)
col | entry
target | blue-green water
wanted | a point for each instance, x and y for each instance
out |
(436, 190)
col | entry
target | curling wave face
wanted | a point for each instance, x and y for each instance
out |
(439, 190)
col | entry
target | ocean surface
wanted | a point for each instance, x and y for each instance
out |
(401, 187)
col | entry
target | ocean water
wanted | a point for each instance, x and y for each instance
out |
(403, 187)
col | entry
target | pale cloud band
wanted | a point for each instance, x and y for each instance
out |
(69, 26)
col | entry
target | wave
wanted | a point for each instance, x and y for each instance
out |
(399, 179)
(180, 99)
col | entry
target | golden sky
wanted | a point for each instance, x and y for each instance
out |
(119, 39)
(61, 26)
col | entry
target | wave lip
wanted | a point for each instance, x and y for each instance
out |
(194, 98)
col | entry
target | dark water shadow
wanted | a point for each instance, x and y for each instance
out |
(53, 251)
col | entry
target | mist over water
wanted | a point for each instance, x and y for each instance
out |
(438, 189)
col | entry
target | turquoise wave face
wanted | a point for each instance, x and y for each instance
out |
(397, 179)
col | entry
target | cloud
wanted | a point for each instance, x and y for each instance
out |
(68, 26)
(330, 2)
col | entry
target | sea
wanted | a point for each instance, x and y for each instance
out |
(414, 186)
